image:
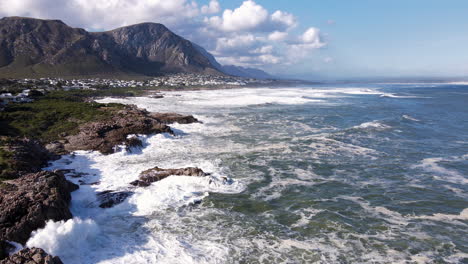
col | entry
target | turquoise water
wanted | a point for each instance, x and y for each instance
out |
(368, 173)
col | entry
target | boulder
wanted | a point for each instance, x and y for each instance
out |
(169, 118)
(103, 136)
(108, 199)
(155, 174)
(133, 142)
(31, 256)
(28, 202)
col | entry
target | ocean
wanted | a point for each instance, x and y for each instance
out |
(333, 173)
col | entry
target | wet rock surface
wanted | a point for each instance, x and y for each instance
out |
(108, 199)
(28, 202)
(105, 135)
(155, 174)
(5, 247)
(31, 256)
(170, 118)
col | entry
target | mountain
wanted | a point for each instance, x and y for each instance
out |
(39, 48)
(246, 72)
(234, 70)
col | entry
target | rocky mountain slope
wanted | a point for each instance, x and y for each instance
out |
(246, 72)
(35, 48)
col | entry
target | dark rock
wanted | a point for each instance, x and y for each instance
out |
(56, 147)
(103, 136)
(155, 174)
(5, 247)
(169, 118)
(29, 201)
(26, 156)
(133, 142)
(108, 199)
(31, 256)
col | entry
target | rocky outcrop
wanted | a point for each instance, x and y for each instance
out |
(24, 156)
(29, 201)
(170, 118)
(31, 256)
(155, 174)
(103, 136)
(108, 199)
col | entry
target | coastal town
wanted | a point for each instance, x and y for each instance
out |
(21, 90)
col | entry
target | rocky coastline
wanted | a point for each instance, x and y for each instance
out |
(29, 196)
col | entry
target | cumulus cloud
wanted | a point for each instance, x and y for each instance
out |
(312, 38)
(246, 17)
(249, 35)
(277, 36)
(212, 8)
(236, 44)
(268, 49)
(99, 15)
(252, 17)
(284, 19)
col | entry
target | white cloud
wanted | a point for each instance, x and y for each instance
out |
(263, 50)
(284, 18)
(248, 35)
(268, 58)
(311, 36)
(277, 36)
(100, 15)
(246, 17)
(328, 60)
(235, 43)
(212, 8)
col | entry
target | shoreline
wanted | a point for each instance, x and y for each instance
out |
(110, 132)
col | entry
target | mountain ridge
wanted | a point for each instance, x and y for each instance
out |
(42, 48)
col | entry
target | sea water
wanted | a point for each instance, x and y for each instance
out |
(362, 173)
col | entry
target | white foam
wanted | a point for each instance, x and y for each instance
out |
(206, 100)
(441, 173)
(408, 117)
(66, 239)
(445, 217)
(376, 125)
(305, 216)
(325, 147)
(457, 83)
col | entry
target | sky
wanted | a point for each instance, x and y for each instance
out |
(309, 39)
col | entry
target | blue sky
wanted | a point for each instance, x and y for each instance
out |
(386, 38)
(335, 39)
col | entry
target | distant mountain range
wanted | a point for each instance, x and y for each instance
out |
(49, 48)
(246, 72)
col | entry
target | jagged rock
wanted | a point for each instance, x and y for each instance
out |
(133, 142)
(31, 256)
(26, 156)
(155, 174)
(29, 201)
(104, 135)
(169, 118)
(108, 199)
